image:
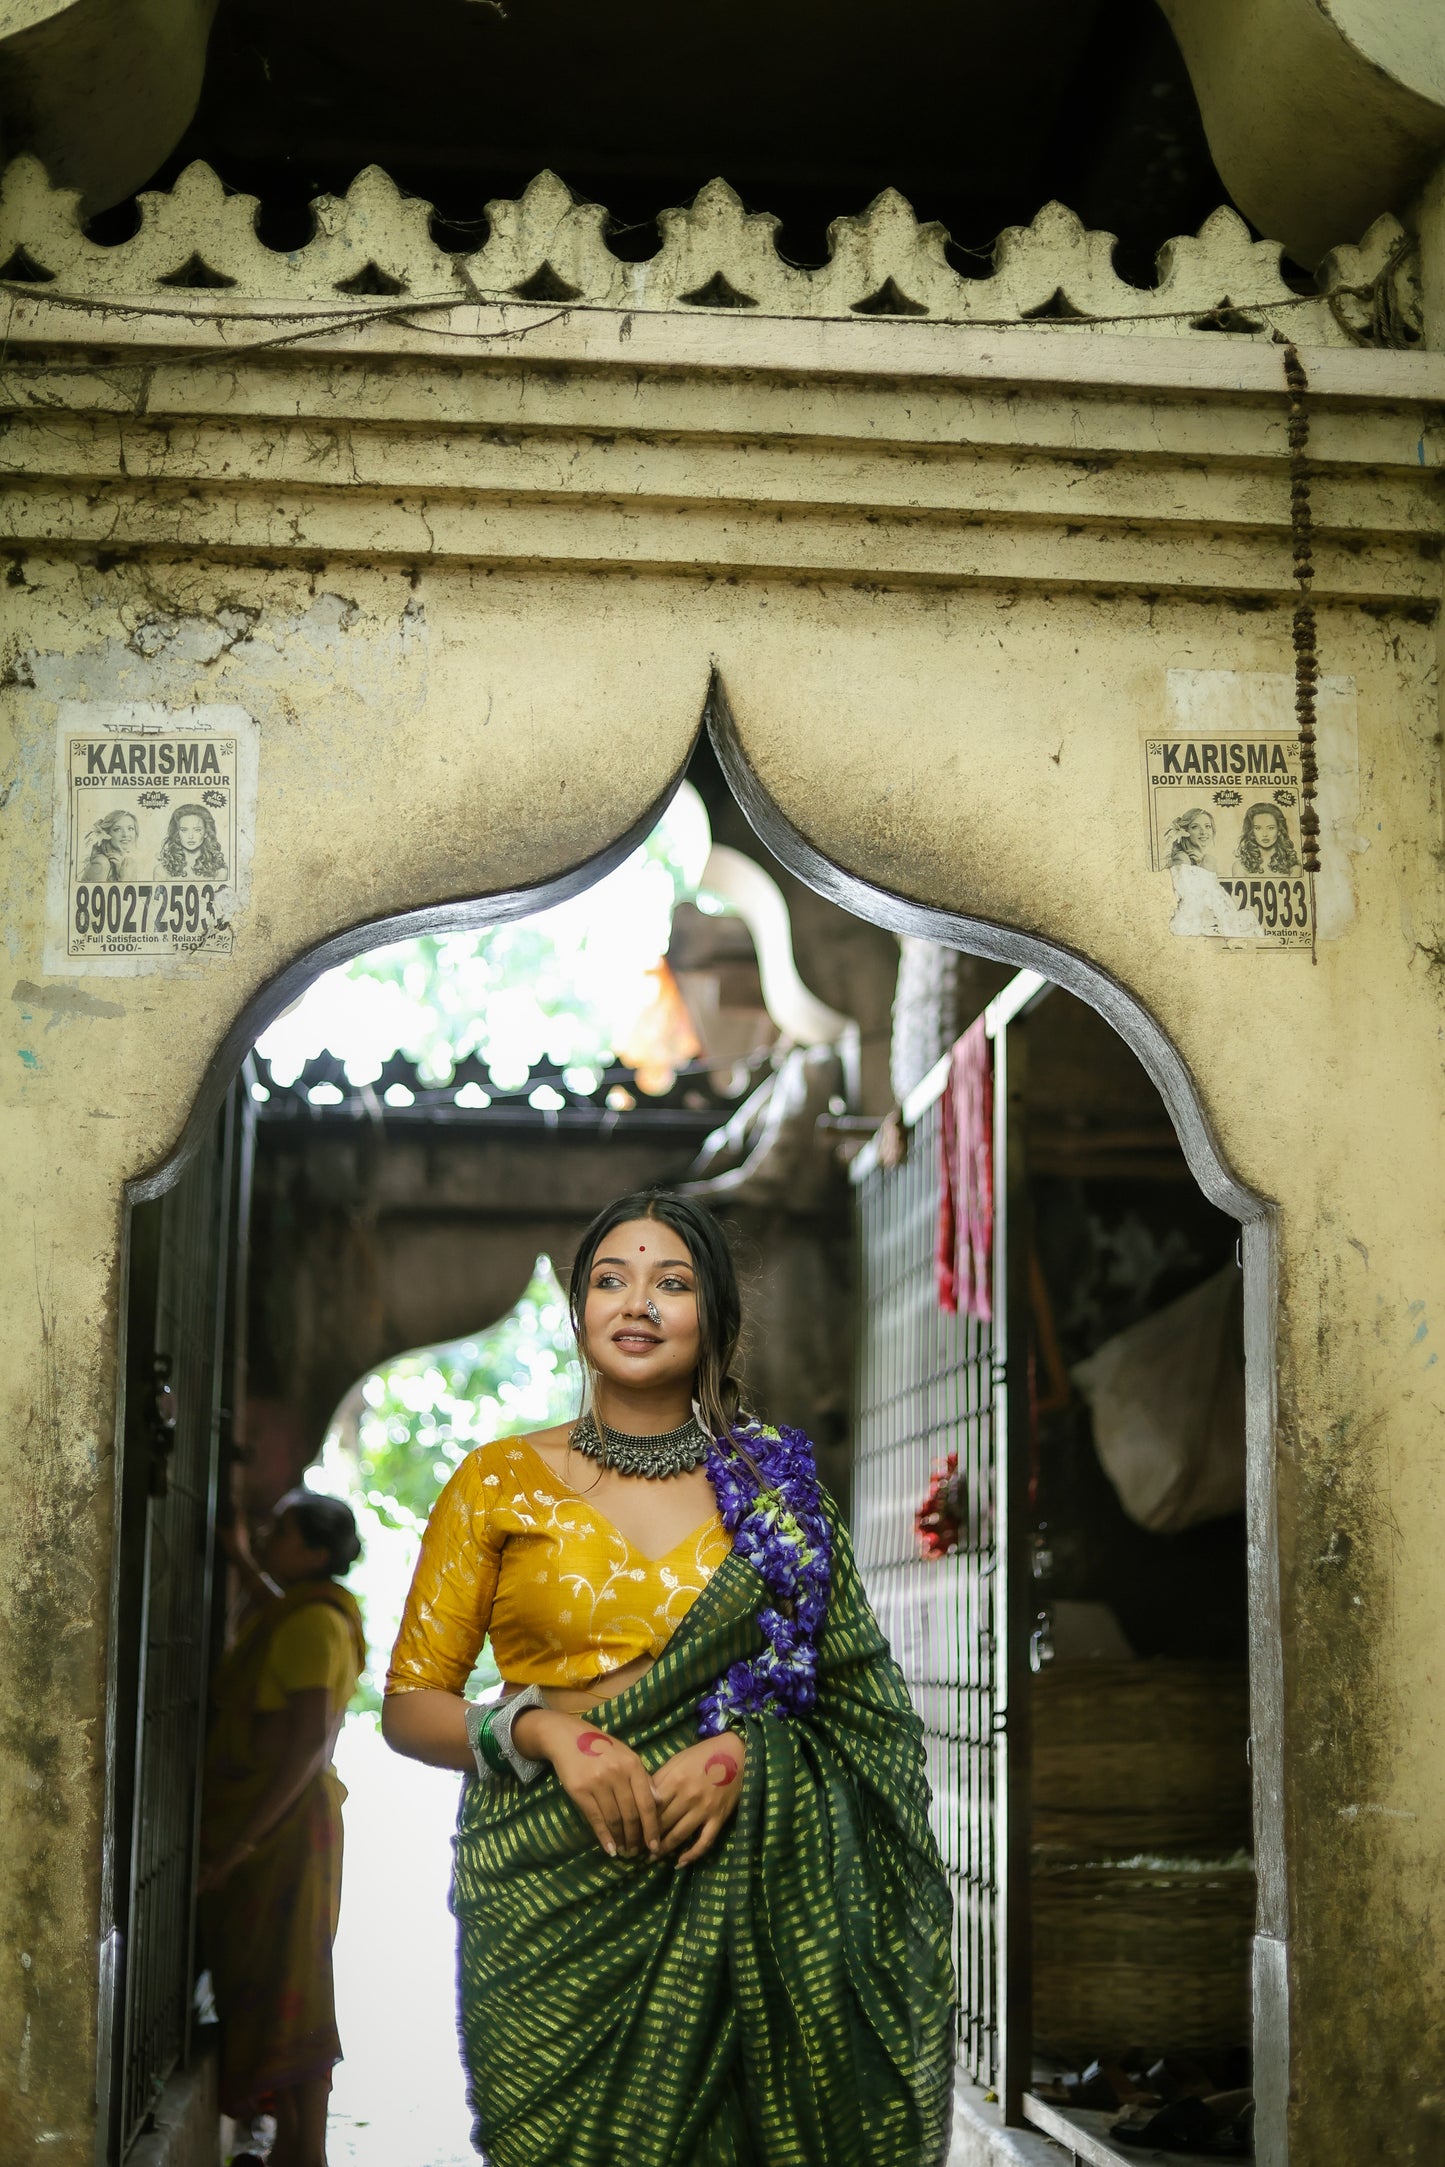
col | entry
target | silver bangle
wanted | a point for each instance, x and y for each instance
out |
(499, 1718)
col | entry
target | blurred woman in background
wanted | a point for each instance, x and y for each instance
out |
(270, 1883)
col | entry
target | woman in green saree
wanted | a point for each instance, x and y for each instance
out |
(694, 1680)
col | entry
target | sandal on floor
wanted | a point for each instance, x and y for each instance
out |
(1103, 2085)
(1221, 2128)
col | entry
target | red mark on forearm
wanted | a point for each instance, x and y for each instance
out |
(591, 1741)
(726, 1763)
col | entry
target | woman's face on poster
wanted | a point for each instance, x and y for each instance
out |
(190, 831)
(126, 830)
(1264, 828)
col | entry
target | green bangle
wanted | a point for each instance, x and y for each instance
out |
(479, 1736)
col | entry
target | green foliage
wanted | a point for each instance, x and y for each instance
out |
(556, 988)
(513, 995)
(425, 1412)
(422, 1415)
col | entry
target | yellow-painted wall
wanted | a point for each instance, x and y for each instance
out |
(472, 583)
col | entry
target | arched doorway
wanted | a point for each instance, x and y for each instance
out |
(1008, 1356)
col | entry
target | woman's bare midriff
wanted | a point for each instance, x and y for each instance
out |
(575, 1700)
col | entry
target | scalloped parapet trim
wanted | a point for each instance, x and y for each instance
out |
(372, 251)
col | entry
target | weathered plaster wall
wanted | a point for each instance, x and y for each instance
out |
(1322, 1085)
(473, 587)
(1320, 113)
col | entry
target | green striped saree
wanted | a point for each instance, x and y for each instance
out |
(786, 2002)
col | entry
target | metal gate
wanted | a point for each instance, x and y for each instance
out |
(931, 1384)
(167, 1471)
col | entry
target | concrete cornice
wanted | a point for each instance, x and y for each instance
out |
(687, 440)
(372, 254)
(135, 333)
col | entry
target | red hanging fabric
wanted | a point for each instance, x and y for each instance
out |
(965, 1210)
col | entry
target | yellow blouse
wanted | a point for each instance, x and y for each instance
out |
(314, 1646)
(512, 1551)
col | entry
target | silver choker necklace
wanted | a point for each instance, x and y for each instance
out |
(674, 1452)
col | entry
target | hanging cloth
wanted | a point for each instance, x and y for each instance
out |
(965, 1210)
(1167, 1398)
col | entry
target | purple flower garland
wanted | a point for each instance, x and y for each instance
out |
(783, 1533)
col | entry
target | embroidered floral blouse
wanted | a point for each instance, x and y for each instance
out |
(512, 1551)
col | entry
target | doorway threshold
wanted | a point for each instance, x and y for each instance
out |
(1085, 2131)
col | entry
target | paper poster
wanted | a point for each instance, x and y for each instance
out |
(154, 818)
(1224, 795)
(1224, 820)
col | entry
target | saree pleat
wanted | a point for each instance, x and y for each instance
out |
(786, 2002)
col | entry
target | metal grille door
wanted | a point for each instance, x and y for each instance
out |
(172, 1444)
(926, 1390)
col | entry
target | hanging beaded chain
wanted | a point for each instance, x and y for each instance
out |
(673, 1452)
(1306, 649)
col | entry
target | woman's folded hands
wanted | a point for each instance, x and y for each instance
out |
(697, 1794)
(676, 1813)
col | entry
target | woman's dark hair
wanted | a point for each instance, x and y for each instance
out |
(326, 1523)
(719, 1305)
(1283, 857)
(210, 858)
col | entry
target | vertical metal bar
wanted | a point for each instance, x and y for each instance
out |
(925, 1389)
(164, 1606)
(124, 1665)
(136, 1951)
(1012, 1430)
(209, 1459)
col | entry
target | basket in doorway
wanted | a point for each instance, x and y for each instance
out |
(1151, 1953)
(1132, 1757)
